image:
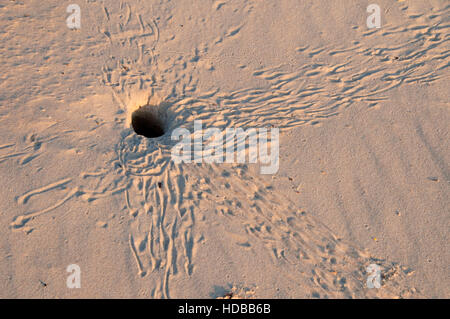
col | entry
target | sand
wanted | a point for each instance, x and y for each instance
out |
(363, 155)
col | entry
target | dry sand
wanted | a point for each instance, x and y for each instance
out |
(364, 149)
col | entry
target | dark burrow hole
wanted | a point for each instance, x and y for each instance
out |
(147, 121)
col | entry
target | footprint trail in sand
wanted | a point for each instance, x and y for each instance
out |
(166, 201)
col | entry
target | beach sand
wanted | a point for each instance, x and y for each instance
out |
(363, 173)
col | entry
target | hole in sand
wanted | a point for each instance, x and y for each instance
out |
(149, 121)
